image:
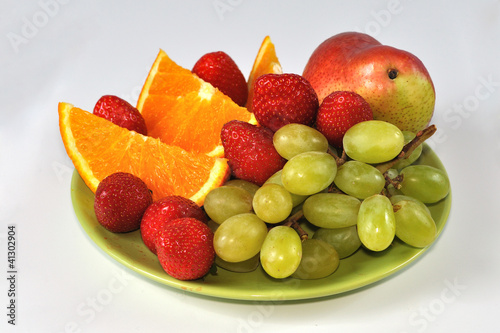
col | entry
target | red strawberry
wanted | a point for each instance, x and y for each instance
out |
(121, 113)
(185, 248)
(281, 99)
(218, 69)
(162, 211)
(250, 151)
(120, 201)
(338, 112)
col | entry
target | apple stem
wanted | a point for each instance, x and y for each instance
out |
(419, 138)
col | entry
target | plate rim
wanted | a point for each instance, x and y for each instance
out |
(198, 287)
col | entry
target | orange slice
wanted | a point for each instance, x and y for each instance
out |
(183, 110)
(266, 62)
(99, 148)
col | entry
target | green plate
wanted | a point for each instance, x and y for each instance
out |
(359, 270)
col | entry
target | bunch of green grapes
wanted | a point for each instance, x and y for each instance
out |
(349, 203)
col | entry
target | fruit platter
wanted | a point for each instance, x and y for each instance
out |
(278, 187)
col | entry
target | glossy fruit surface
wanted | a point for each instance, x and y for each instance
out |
(99, 148)
(183, 110)
(120, 201)
(309, 173)
(281, 252)
(240, 237)
(220, 70)
(345, 240)
(376, 223)
(331, 210)
(185, 249)
(414, 224)
(358, 270)
(425, 183)
(223, 202)
(266, 62)
(373, 141)
(338, 112)
(394, 82)
(293, 139)
(413, 156)
(121, 113)
(244, 184)
(280, 99)
(250, 151)
(164, 210)
(359, 179)
(272, 203)
(297, 199)
(319, 259)
(400, 197)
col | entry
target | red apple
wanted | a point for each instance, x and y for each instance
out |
(394, 82)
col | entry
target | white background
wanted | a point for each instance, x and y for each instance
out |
(52, 51)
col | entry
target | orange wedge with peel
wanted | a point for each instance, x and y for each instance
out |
(182, 110)
(266, 62)
(99, 148)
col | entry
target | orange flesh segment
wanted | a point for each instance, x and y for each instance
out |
(266, 62)
(99, 148)
(183, 110)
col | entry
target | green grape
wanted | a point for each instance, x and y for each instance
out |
(331, 210)
(425, 183)
(309, 173)
(281, 252)
(359, 179)
(414, 224)
(246, 185)
(392, 173)
(413, 156)
(293, 139)
(399, 197)
(272, 203)
(276, 179)
(245, 266)
(240, 237)
(373, 141)
(344, 240)
(376, 223)
(319, 259)
(223, 202)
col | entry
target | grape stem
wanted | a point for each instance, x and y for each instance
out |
(396, 181)
(340, 160)
(334, 189)
(420, 137)
(292, 222)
